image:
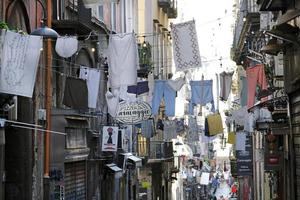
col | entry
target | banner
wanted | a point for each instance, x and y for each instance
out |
(245, 158)
(110, 138)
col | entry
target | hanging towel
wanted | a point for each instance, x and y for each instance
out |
(215, 125)
(123, 61)
(231, 138)
(240, 141)
(202, 94)
(112, 103)
(92, 77)
(141, 88)
(185, 46)
(244, 91)
(169, 130)
(19, 61)
(225, 85)
(147, 128)
(66, 46)
(176, 84)
(256, 82)
(76, 93)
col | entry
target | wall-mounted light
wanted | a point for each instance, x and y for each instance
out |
(45, 31)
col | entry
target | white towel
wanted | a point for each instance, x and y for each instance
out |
(92, 77)
(66, 46)
(185, 46)
(123, 61)
(176, 84)
(19, 61)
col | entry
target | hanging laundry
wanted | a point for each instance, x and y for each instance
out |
(92, 77)
(176, 84)
(185, 46)
(66, 46)
(256, 82)
(244, 91)
(249, 123)
(179, 125)
(123, 61)
(162, 89)
(231, 138)
(225, 85)
(151, 87)
(141, 88)
(147, 128)
(201, 94)
(169, 130)
(215, 125)
(240, 141)
(112, 103)
(240, 115)
(76, 93)
(19, 62)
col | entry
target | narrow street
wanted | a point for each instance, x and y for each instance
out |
(149, 100)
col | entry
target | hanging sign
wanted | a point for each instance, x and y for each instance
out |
(133, 113)
(110, 138)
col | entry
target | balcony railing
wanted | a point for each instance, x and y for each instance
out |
(160, 150)
(145, 58)
(164, 3)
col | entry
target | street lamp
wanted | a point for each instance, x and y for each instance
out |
(45, 31)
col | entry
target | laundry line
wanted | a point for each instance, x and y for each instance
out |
(29, 126)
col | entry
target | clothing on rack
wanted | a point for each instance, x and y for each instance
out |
(201, 94)
(185, 46)
(123, 60)
(18, 63)
(163, 90)
(225, 85)
(76, 93)
(92, 77)
(256, 82)
(66, 46)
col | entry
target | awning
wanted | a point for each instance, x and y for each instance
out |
(288, 16)
(136, 160)
(117, 171)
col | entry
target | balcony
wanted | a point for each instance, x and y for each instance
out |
(160, 151)
(164, 3)
(145, 58)
(248, 20)
(71, 17)
(172, 11)
(272, 5)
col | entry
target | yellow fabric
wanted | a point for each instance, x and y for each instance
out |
(215, 125)
(145, 184)
(231, 138)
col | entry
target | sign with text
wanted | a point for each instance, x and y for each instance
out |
(133, 113)
(244, 159)
(110, 138)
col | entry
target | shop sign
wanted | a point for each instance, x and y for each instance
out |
(133, 113)
(244, 158)
(110, 138)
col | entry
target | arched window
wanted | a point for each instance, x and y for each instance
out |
(17, 17)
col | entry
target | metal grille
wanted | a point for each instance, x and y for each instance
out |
(295, 117)
(75, 181)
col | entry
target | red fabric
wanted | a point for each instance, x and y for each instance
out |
(255, 77)
(233, 189)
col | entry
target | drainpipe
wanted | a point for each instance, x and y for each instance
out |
(48, 103)
(291, 153)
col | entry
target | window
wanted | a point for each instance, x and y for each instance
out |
(113, 16)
